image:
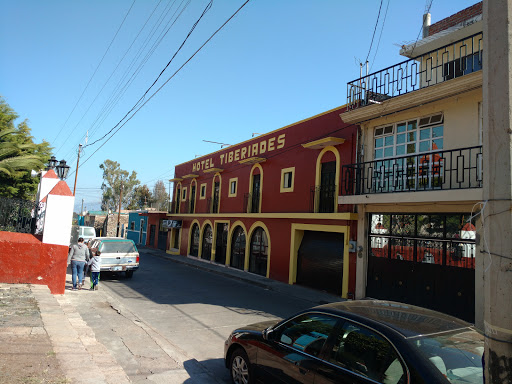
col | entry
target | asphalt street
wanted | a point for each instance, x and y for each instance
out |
(188, 311)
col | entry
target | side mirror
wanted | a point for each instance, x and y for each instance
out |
(268, 334)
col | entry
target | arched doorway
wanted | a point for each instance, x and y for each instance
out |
(238, 248)
(194, 240)
(258, 257)
(206, 251)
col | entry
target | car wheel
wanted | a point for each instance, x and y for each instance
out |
(129, 274)
(240, 367)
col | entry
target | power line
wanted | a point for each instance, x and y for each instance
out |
(374, 30)
(380, 35)
(96, 70)
(170, 78)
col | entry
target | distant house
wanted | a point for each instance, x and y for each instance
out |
(137, 226)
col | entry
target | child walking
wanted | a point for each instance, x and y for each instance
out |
(95, 264)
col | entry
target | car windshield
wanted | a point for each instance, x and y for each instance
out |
(457, 355)
(118, 247)
(89, 232)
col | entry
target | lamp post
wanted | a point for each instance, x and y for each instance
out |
(52, 163)
(62, 169)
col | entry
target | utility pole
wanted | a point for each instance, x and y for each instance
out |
(119, 213)
(496, 211)
(76, 170)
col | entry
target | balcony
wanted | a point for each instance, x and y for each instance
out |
(439, 170)
(455, 60)
(251, 203)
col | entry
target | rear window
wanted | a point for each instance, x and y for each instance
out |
(89, 232)
(457, 355)
(118, 247)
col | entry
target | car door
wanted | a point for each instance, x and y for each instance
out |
(291, 355)
(358, 355)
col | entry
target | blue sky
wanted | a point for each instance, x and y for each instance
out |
(276, 62)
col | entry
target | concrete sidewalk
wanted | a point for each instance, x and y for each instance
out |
(44, 338)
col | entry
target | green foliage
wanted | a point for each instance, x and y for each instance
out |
(19, 155)
(141, 198)
(160, 196)
(113, 179)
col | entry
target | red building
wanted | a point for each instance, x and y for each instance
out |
(269, 206)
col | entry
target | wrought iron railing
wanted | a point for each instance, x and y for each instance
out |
(454, 60)
(23, 216)
(251, 203)
(439, 170)
(172, 207)
(323, 198)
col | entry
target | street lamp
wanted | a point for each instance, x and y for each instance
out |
(52, 163)
(62, 169)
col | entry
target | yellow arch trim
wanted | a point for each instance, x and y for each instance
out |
(195, 221)
(249, 236)
(318, 175)
(230, 240)
(201, 233)
(261, 184)
(220, 187)
(297, 233)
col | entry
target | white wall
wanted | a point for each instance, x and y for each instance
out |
(58, 218)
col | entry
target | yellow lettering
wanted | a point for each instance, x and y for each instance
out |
(280, 141)
(242, 155)
(263, 147)
(230, 156)
(237, 155)
(202, 164)
(254, 149)
(249, 151)
(194, 167)
(207, 164)
(222, 159)
(211, 163)
(271, 144)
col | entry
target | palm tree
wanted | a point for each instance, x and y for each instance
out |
(14, 156)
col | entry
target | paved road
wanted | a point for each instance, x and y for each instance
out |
(191, 311)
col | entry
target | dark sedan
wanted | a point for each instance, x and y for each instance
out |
(367, 341)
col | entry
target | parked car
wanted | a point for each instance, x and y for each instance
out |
(367, 341)
(77, 231)
(117, 254)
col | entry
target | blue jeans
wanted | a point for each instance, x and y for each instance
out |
(94, 278)
(77, 267)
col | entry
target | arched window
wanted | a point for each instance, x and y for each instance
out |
(194, 239)
(258, 257)
(206, 252)
(238, 248)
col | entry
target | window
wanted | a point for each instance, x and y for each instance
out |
(206, 251)
(307, 333)
(184, 197)
(202, 194)
(366, 353)
(287, 179)
(258, 256)
(409, 137)
(233, 183)
(238, 248)
(194, 240)
(132, 225)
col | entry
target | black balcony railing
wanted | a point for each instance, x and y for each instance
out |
(454, 60)
(439, 170)
(212, 205)
(323, 198)
(172, 207)
(251, 203)
(18, 215)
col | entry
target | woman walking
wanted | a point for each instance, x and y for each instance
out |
(78, 256)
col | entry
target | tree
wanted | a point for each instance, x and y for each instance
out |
(160, 196)
(115, 178)
(141, 198)
(19, 155)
